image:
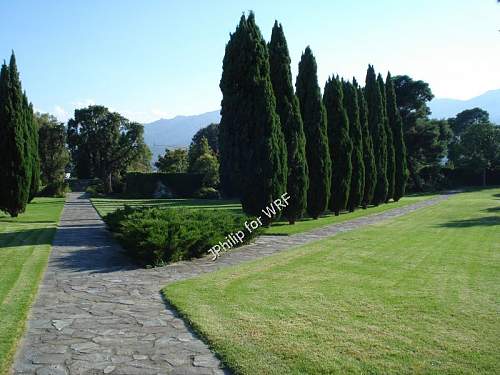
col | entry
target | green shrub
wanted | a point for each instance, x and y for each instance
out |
(56, 189)
(155, 236)
(95, 189)
(207, 193)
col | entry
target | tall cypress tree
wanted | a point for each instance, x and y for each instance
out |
(377, 130)
(396, 124)
(233, 134)
(287, 107)
(356, 135)
(32, 139)
(368, 154)
(262, 157)
(390, 143)
(18, 156)
(340, 145)
(314, 117)
(6, 138)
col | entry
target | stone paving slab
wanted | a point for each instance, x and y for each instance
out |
(97, 313)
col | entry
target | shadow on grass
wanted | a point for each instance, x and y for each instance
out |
(486, 221)
(26, 237)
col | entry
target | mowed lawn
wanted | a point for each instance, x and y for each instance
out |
(105, 206)
(416, 294)
(24, 249)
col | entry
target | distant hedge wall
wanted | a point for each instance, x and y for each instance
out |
(143, 185)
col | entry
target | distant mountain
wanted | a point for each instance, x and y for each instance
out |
(175, 132)
(489, 101)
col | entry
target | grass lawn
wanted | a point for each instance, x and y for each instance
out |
(105, 205)
(416, 294)
(24, 249)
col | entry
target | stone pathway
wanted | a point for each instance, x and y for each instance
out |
(97, 313)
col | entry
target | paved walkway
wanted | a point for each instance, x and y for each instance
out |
(97, 313)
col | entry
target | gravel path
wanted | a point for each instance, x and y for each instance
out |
(97, 313)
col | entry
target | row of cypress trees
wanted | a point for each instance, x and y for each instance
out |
(338, 151)
(19, 165)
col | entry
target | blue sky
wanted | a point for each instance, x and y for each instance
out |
(155, 59)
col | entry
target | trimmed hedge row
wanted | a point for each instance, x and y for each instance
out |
(143, 185)
(155, 236)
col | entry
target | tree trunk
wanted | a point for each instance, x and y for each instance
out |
(108, 183)
(484, 176)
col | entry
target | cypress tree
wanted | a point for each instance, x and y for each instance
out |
(32, 139)
(287, 107)
(232, 134)
(368, 154)
(314, 117)
(390, 142)
(6, 138)
(396, 124)
(356, 135)
(340, 145)
(263, 155)
(18, 155)
(377, 131)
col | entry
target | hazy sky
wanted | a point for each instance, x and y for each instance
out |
(150, 59)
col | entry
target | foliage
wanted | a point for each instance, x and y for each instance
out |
(19, 165)
(103, 144)
(391, 163)
(478, 148)
(211, 133)
(155, 236)
(54, 157)
(173, 161)
(315, 128)
(253, 150)
(376, 125)
(463, 120)
(143, 185)
(288, 109)
(396, 125)
(142, 162)
(207, 165)
(368, 153)
(356, 135)
(340, 145)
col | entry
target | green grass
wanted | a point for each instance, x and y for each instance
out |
(416, 294)
(24, 249)
(105, 206)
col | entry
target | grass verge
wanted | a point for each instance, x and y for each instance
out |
(25, 244)
(416, 294)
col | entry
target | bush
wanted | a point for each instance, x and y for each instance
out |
(207, 193)
(155, 236)
(95, 189)
(57, 189)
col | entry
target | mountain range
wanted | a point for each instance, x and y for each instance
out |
(489, 101)
(178, 131)
(175, 132)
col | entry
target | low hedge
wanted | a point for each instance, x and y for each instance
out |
(143, 185)
(155, 236)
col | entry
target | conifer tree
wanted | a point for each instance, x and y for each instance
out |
(249, 111)
(356, 135)
(396, 124)
(314, 117)
(287, 107)
(17, 164)
(340, 145)
(32, 140)
(390, 142)
(377, 130)
(368, 154)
